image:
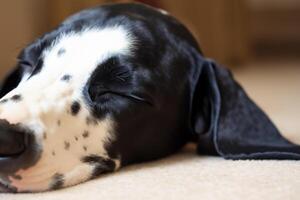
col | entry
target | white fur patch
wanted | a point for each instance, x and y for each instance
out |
(46, 102)
(162, 11)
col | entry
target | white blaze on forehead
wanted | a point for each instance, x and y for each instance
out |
(83, 51)
(48, 99)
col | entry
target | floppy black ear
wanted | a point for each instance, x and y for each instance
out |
(11, 81)
(228, 123)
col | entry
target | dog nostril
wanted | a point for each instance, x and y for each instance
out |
(12, 139)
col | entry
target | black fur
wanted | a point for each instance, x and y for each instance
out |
(75, 108)
(101, 165)
(57, 181)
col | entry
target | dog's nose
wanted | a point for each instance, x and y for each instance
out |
(19, 148)
(12, 139)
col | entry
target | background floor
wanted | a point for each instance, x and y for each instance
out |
(275, 87)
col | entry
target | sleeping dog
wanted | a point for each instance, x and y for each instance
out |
(121, 84)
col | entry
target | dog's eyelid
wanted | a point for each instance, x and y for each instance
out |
(24, 63)
(134, 97)
(139, 98)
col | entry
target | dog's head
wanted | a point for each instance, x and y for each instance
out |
(112, 85)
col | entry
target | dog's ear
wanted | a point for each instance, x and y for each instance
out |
(11, 81)
(228, 123)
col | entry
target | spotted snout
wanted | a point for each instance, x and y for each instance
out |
(49, 138)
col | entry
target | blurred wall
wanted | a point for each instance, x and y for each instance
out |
(219, 25)
(274, 27)
(20, 21)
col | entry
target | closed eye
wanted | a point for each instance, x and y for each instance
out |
(114, 80)
(141, 99)
(25, 63)
(135, 97)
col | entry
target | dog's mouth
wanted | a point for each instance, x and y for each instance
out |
(5, 188)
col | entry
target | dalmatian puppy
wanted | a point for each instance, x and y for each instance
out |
(115, 85)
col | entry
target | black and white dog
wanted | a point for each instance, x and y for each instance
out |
(115, 85)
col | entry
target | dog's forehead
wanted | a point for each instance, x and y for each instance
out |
(75, 53)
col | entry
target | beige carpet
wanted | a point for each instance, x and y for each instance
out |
(276, 87)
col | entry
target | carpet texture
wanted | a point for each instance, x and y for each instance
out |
(276, 88)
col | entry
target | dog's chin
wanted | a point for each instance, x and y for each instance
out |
(6, 188)
(25, 183)
(42, 179)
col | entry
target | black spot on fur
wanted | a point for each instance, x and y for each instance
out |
(53, 153)
(45, 136)
(102, 165)
(57, 181)
(16, 98)
(3, 101)
(76, 138)
(67, 145)
(58, 122)
(66, 78)
(84, 148)
(75, 108)
(91, 121)
(85, 134)
(17, 177)
(61, 52)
